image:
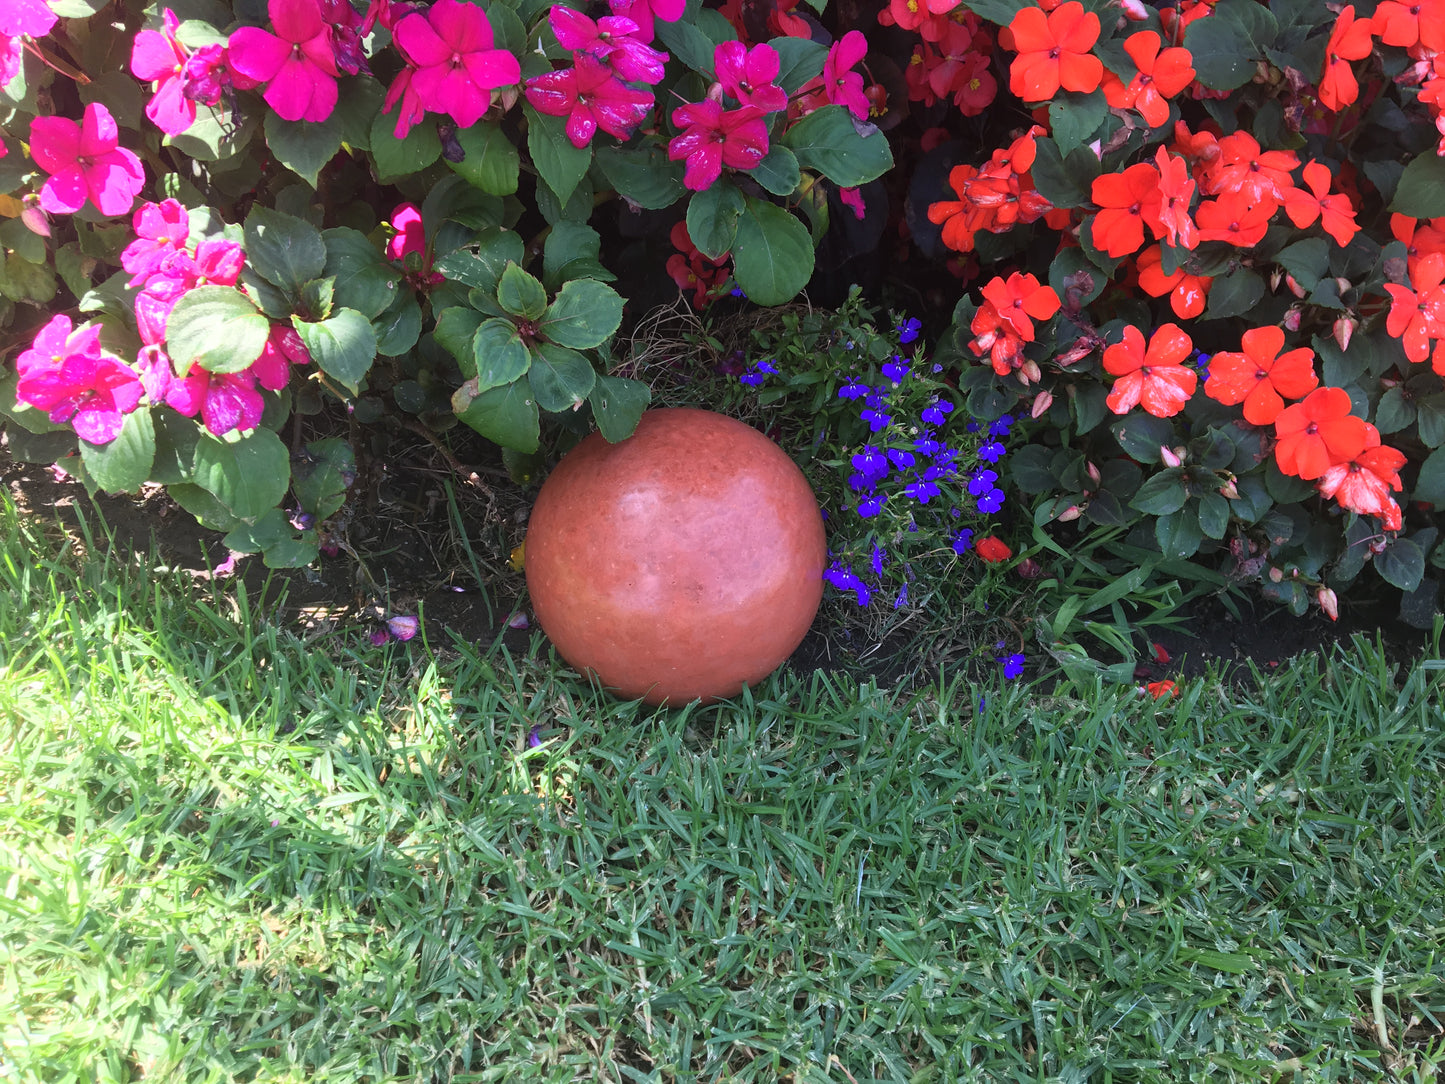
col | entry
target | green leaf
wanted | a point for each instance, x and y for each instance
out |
(778, 172)
(492, 163)
(176, 438)
(773, 254)
(399, 327)
(317, 299)
(1401, 564)
(209, 512)
(216, 327)
(584, 315)
(125, 463)
(1213, 515)
(799, 60)
(572, 251)
(248, 476)
(1076, 280)
(1074, 118)
(520, 294)
(1064, 184)
(481, 265)
(499, 354)
(561, 378)
(1163, 493)
(507, 415)
(1421, 191)
(303, 147)
(321, 476)
(644, 176)
(1141, 435)
(712, 218)
(400, 157)
(343, 346)
(618, 404)
(1430, 414)
(284, 250)
(456, 327)
(1178, 533)
(1308, 260)
(689, 44)
(1234, 294)
(1228, 45)
(560, 163)
(364, 281)
(1430, 486)
(268, 530)
(1394, 411)
(846, 151)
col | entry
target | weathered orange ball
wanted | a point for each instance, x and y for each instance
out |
(683, 562)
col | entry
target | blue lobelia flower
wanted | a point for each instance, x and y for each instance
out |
(934, 413)
(876, 419)
(921, 490)
(854, 389)
(981, 481)
(901, 460)
(871, 463)
(1013, 665)
(871, 505)
(902, 598)
(991, 452)
(896, 369)
(991, 501)
(1001, 427)
(909, 329)
(962, 541)
(752, 380)
(876, 559)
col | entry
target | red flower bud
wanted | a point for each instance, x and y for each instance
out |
(992, 549)
(1042, 401)
(1329, 603)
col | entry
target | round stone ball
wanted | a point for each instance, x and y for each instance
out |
(682, 563)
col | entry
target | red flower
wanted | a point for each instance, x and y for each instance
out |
(1152, 378)
(1418, 315)
(1231, 218)
(1161, 689)
(1258, 378)
(1018, 299)
(1187, 293)
(1053, 52)
(1176, 190)
(1363, 484)
(1161, 76)
(1335, 212)
(1318, 433)
(1243, 169)
(1127, 201)
(1349, 40)
(992, 550)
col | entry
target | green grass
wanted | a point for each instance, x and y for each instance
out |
(228, 854)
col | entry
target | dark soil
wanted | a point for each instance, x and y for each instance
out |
(406, 556)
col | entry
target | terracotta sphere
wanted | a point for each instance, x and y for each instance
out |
(683, 562)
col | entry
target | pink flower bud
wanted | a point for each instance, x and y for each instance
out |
(1377, 545)
(1029, 373)
(1030, 569)
(36, 220)
(1229, 491)
(1291, 319)
(1329, 603)
(1294, 287)
(1093, 472)
(1042, 401)
(1276, 575)
(1071, 513)
(1170, 456)
(1344, 330)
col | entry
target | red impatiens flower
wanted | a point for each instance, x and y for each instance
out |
(1053, 51)
(1161, 76)
(1243, 168)
(1187, 293)
(1418, 315)
(1153, 378)
(1018, 299)
(1363, 483)
(1234, 219)
(1127, 201)
(1314, 435)
(1261, 378)
(590, 96)
(1335, 212)
(992, 549)
(1176, 190)
(1349, 40)
(712, 139)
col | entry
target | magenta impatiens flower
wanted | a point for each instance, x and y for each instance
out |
(93, 392)
(225, 401)
(610, 40)
(33, 18)
(298, 62)
(161, 230)
(85, 160)
(56, 341)
(453, 67)
(157, 57)
(643, 12)
(283, 349)
(748, 74)
(590, 96)
(841, 84)
(713, 139)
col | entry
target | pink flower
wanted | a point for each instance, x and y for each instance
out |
(93, 392)
(209, 75)
(748, 74)
(284, 348)
(11, 54)
(157, 57)
(298, 61)
(590, 96)
(713, 139)
(32, 18)
(225, 401)
(841, 84)
(161, 229)
(344, 22)
(402, 626)
(85, 159)
(609, 39)
(410, 234)
(853, 198)
(643, 12)
(455, 67)
(57, 341)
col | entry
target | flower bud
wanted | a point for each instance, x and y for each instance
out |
(1276, 575)
(1377, 545)
(1343, 285)
(1042, 401)
(1329, 603)
(1029, 569)
(1093, 472)
(1071, 513)
(1170, 456)
(1275, 278)
(35, 219)
(1136, 10)
(1030, 373)
(1294, 286)
(1344, 330)
(1229, 491)
(1292, 318)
